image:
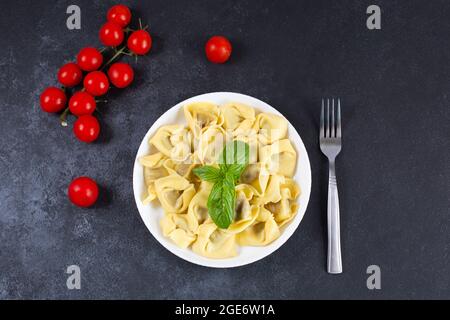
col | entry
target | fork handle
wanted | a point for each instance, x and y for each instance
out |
(334, 264)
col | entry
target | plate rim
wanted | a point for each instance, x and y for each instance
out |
(234, 261)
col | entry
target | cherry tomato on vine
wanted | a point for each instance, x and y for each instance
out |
(86, 128)
(53, 99)
(96, 83)
(119, 14)
(218, 49)
(82, 103)
(70, 75)
(83, 192)
(111, 34)
(121, 74)
(140, 42)
(89, 59)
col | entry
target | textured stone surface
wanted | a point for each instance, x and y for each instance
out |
(394, 171)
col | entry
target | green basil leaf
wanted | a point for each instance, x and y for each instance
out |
(235, 152)
(208, 173)
(236, 170)
(222, 201)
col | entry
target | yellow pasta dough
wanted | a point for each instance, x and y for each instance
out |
(270, 127)
(210, 144)
(262, 232)
(279, 157)
(178, 227)
(198, 209)
(266, 193)
(200, 115)
(245, 212)
(237, 117)
(182, 168)
(174, 192)
(153, 170)
(257, 176)
(214, 243)
(174, 141)
(285, 209)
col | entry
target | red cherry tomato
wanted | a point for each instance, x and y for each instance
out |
(140, 42)
(89, 59)
(82, 103)
(70, 75)
(86, 128)
(121, 74)
(119, 14)
(83, 192)
(218, 49)
(111, 34)
(53, 99)
(96, 83)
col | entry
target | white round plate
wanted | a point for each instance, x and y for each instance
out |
(151, 214)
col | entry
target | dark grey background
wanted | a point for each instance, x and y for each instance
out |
(393, 172)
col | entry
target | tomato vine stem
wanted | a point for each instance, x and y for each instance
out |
(63, 117)
(115, 56)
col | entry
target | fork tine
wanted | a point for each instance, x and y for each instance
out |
(322, 120)
(338, 120)
(328, 129)
(332, 127)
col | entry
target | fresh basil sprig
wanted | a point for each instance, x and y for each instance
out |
(208, 173)
(222, 200)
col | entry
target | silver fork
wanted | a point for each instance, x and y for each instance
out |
(331, 144)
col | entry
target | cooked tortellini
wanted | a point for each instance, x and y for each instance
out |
(286, 208)
(174, 192)
(246, 213)
(200, 115)
(174, 141)
(265, 193)
(280, 157)
(270, 127)
(153, 170)
(210, 144)
(237, 117)
(213, 242)
(179, 228)
(262, 232)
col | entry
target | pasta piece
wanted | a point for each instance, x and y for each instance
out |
(182, 168)
(245, 213)
(174, 192)
(153, 174)
(200, 115)
(198, 209)
(178, 227)
(262, 232)
(153, 167)
(285, 209)
(174, 141)
(211, 143)
(270, 127)
(290, 189)
(279, 157)
(149, 195)
(152, 160)
(214, 243)
(153, 170)
(237, 117)
(272, 193)
(257, 176)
